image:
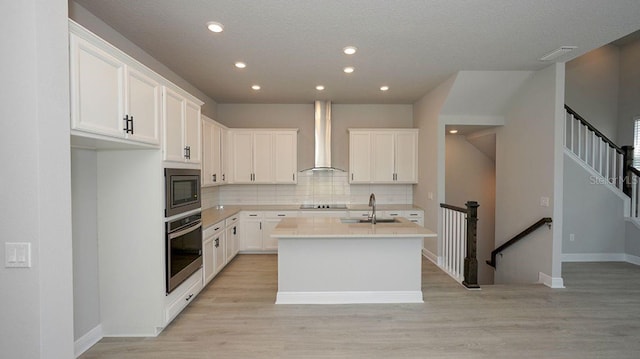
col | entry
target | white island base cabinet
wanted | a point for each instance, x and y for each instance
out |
(349, 270)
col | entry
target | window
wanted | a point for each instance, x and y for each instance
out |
(636, 143)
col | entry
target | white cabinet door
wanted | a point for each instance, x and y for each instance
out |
(97, 89)
(208, 260)
(216, 158)
(263, 157)
(143, 106)
(383, 150)
(192, 135)
(251, 234)
(224, 154)
(359, 157)
(219, 244)
(406, 157)
(173, 118)
(207, 177)
(233, 236)
(269, 243)
(182, 138)
(242, 154)
(285, 155)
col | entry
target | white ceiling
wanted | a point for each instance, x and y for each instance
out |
(290, 46)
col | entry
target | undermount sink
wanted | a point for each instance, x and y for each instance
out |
(358, 220)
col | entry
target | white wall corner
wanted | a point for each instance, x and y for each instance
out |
(551, 282)
(630, 258)
(88, 340)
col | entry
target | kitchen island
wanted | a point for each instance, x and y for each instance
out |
(334, 261)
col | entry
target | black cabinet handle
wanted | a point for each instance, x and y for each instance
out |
(189, 297)
(215, 178)
(128, 124)
(187, 152)
(217, 242)
(223, 177)
(235, 230)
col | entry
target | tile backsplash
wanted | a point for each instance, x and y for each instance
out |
(312, 188)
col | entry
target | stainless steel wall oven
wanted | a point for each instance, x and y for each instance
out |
(183, 249)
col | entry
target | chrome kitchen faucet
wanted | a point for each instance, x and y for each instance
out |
(372, 203)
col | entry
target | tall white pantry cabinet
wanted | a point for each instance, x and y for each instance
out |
(138, 123)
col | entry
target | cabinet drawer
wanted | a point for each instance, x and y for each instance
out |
(280, 214)
(213, 230)
(251, 215)
(359, 214)
(231, 220)
(413, 214)
(391, 214)
(182, 296)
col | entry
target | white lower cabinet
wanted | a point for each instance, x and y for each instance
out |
(213, 251)
(232, 225)
(182, 296)
(257, 227)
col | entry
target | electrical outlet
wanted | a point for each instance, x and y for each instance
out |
(544, 201)
(430, 195)
(572, 237)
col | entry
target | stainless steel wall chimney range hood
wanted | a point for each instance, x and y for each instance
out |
(322, 138)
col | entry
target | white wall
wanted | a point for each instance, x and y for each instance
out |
(629, 103)
(526, 168)
(37, 302)
(427, 194)
(301, 116)
(86, 295)
(85, 18)
(592, 82)
(592, 212)
(632, 243)
(470, 176)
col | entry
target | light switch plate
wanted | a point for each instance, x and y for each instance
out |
(17, 255)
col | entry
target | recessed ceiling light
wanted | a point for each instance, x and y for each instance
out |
(319, 87)
(215, 26)
(384, 88)
(557, 53)
(240, 65)
(255, 87)
(350, 50)
(453, 131)
(348, 69)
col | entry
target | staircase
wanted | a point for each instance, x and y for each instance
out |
(611, 164)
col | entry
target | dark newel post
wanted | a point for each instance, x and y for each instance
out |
(470, 261)
(627, 161)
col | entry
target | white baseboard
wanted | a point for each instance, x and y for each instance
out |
(358, 297)
(430, 256)
(88, 340)
(549, 281)
(594, 257)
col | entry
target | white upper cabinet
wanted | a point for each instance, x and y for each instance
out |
(285, 153)
(213, 152)
(263, 156)
(112, 95)
(383, 156)
(181, 118)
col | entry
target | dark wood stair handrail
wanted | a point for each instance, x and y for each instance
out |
(519, 236)
(592, 128)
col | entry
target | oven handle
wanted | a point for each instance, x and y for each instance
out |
(173, 235)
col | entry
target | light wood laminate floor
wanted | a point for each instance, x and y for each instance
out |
(596, 316)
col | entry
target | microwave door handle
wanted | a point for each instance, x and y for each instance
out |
(184, 231)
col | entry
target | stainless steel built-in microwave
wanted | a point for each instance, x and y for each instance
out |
(182, 190)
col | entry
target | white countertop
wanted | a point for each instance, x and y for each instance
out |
(317, 227)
